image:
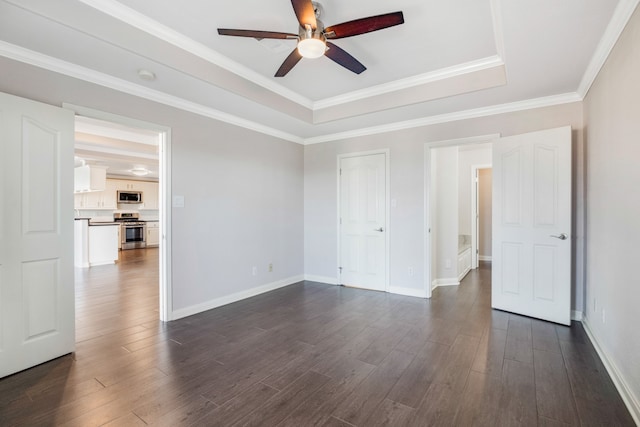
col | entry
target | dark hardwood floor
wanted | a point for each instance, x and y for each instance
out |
(311, 355)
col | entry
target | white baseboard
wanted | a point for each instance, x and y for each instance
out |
(576, 315)
(410, 292)
(484, 258)
(632, 402)
(228, 299)
(321, 279)
(451, 281)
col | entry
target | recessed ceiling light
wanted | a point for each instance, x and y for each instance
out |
(146, 75)
(140, 171)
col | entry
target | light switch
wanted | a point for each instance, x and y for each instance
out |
(394, 203)
(178, 201)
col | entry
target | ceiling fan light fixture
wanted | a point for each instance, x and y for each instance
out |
(311, 48)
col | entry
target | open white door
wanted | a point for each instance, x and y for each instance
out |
(531, 269)
(37, 321)
(363, 223)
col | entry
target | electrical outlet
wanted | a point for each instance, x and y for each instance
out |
(270, 267)
(410, 271)
(603, 317)
(254, 270)
(447, 263)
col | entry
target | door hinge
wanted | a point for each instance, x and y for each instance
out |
(340, 221)
(340, 268)
(477, 251)
(340, 171)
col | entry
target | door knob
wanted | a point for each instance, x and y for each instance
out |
(562, 236)
(378, 229)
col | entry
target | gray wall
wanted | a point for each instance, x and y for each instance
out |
(612, 134)
(406, 148)
(243, 190)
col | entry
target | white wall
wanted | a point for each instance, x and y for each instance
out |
(243, 190)
(612, 133)
(445, 226)
(468, 156)
(406, 151)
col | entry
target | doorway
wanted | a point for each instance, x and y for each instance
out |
(480, 214)
(449, 200)
(158, 207)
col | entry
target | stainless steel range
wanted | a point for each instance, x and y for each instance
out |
(132, 231)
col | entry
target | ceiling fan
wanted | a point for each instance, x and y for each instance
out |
(313, 36)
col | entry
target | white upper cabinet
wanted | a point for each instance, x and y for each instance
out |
(90, 178)
(149, 195)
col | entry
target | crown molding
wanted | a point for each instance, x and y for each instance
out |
(65, 68)
(511, 107)
(37, 59)
(469, 142)
(409, 82)
(143, 23)
(92, 127)
(618, 21)
(498, 34)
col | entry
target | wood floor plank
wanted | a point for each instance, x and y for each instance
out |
(237, 408)
(489, 358)
(518, 399)
(480, 403)
(193, 410)
(415, 380)
(553, 391)
(389, 413)
(345, 376)
(282, 403)
(362, 402)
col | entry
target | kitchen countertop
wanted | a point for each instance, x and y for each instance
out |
(98, 224)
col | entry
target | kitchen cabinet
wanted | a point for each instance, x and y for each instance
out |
(129, 185)
(103, 244)
(149, 195)
(464, 263)
(149, 191)
(89, 178)
(153, 233)
(97, 199)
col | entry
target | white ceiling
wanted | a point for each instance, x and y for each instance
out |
(453, 58)
(120, 148)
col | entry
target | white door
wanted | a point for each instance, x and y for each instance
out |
(531, 269)
(36, 234)
(363, 221)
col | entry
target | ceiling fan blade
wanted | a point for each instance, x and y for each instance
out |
(341, 57)
(305, 13)
(364, 25)
(289, 63)
(256, 34)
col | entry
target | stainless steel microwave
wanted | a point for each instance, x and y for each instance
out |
(129, 196)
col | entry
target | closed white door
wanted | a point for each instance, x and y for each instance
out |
(531, 269)
(363, 234)
(36, 234)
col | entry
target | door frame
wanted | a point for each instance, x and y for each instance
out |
(429, 204)
(165, 285)
(475, 256)
(387, 186)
